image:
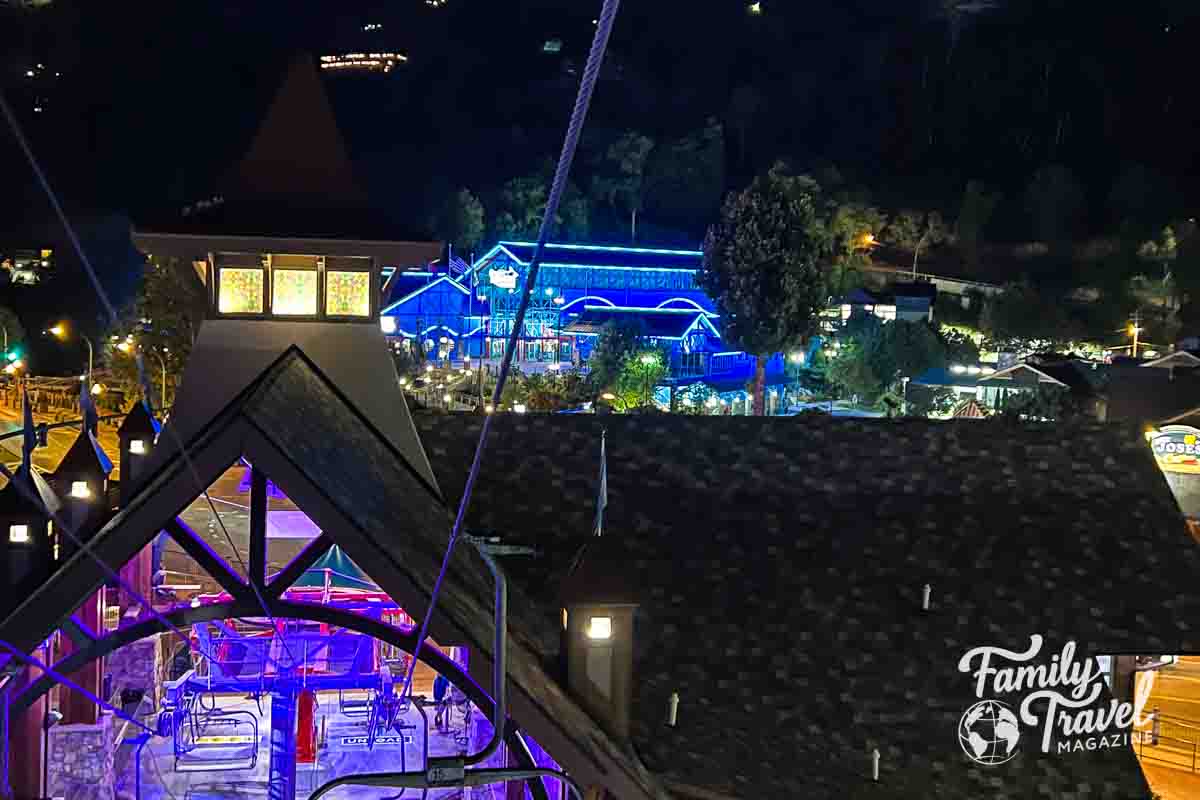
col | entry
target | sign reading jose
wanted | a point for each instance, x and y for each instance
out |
(1055, 697)
(1176, 447)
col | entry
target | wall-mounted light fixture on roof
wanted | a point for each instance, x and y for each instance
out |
(599, 628)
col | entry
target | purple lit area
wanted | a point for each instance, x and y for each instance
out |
(245, 701)
(196, 718)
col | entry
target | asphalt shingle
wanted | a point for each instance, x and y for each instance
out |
(780, 564)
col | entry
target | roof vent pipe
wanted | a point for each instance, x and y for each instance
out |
(672, 709)
(928, 590)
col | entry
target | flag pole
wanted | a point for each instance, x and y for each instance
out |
(602, 494)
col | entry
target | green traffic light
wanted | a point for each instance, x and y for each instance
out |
(13, 355)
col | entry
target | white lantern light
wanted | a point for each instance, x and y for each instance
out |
(137, 447)
(599, 628)
(80, 490)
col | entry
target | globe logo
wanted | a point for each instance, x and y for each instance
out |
(988, 733)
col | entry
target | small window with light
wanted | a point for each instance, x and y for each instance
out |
(240, 290)
(347, 287)
(599, 628)
(18, 534)
(294, 286)
(137, 447)
(80, 490)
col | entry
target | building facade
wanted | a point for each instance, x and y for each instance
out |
(468, 312)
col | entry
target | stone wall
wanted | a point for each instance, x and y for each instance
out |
(136, 666)
(81, 760)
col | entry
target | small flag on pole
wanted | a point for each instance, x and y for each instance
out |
(602, 497)
(87, 409)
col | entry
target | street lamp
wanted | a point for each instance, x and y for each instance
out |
(59, 331)
(647, 360)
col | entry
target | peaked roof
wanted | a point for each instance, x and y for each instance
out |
(256, 393)
(418, 287)
(1152, 396)
(34, 495)
(139, 422)
(313, 167)
(85, 457)
(343, 572)
(968, 409)
(778, 565)
(296, 178)
(1180, 358)
(1009, 374)
(230, 354)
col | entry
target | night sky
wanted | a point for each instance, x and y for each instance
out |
(910, 99)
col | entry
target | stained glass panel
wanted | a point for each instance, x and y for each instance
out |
(241, 291)
(295, 292)
(348, 294)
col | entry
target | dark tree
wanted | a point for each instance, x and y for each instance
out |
(762, 266)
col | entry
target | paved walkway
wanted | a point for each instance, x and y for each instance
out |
(1171, 765)
(60, 440)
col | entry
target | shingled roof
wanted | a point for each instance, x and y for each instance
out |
(781, 565)
(1152, 396)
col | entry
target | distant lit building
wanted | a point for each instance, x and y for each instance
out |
(380, 63)
(579, 291)
(26, 267)
(912, 302)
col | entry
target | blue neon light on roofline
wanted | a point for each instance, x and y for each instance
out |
(613, 266)
(648, 310)
(611, 249)
(510, 254)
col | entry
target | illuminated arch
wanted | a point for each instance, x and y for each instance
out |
(184, 617)
(604, 300)
(687, 300)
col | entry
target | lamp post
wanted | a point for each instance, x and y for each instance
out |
(647, 361)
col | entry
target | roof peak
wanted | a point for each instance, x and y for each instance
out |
(315, 169)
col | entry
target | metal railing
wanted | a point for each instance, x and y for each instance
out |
(1169, 740)
(50, 426)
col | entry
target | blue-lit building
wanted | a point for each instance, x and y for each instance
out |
(468, 311)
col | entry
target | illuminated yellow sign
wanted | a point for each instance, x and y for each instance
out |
(1176, 448)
